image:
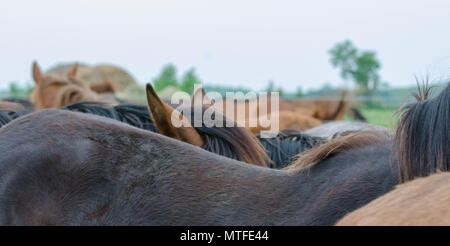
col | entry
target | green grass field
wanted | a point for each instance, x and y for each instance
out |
(381, 117)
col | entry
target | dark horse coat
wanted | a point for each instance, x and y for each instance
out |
(66, 168)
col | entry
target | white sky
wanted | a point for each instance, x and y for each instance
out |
(233, 42)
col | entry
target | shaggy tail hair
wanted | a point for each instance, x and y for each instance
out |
(423, 135)
(341, 108)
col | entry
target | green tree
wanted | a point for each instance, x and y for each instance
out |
(167, 77)
(299, 92)
(188, 81)
(270, 86)
(15, 90)
(343, 55)
(360, 66)
(366, 75)
(280, 91)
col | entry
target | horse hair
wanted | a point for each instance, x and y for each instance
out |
(284, 148)
(423, 134)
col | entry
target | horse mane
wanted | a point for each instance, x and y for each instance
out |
(338, 145)
(234, 142)
(283, 149)
(423, 134)
(135, 115)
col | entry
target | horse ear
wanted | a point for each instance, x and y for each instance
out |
(162, 117)
(37, 74)
(73, 72)
(200, 94)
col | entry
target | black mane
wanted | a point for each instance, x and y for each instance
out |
(284, 148)
(135, 115)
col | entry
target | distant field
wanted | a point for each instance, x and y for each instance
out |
(381, 117)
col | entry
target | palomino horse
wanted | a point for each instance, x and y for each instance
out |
(53, 91)
(421, 202)
(116, 77)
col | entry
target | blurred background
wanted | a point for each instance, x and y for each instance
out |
(303, 49)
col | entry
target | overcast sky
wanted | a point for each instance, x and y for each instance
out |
(232, 42)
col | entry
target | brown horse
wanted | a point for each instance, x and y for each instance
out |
(322, 109)
(421, 202)
(239, 137)
(286, 119)
(53, 91)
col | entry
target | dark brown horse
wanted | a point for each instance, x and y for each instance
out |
(66, 168)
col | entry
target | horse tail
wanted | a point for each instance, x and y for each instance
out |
(423, 135)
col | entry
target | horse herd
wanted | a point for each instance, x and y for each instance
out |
(85, 162)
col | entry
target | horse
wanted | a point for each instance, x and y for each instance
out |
(236, 142)
(121, 175)
(335, 129)
(52, 91)
(115, 77)
(117, 174)
(420, 202)
(324, 109)
(229, 108)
